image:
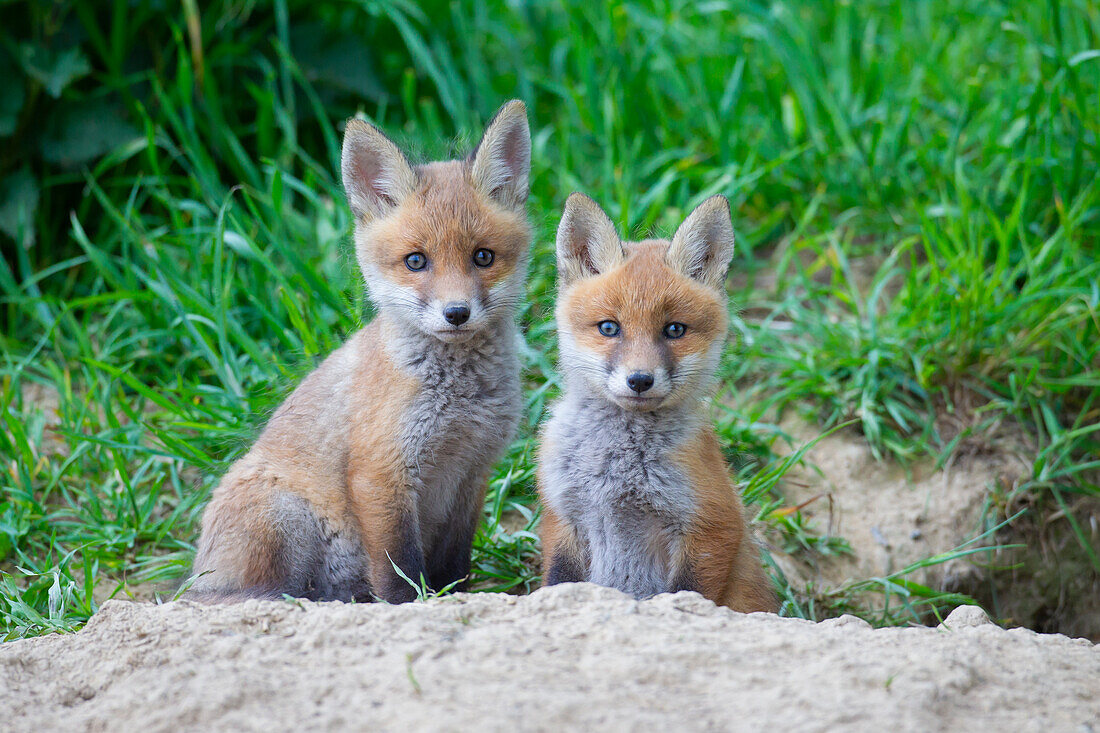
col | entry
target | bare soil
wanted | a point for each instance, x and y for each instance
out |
(573, 656)
(894, 516)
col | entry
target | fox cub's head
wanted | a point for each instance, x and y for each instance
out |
(642, 323)
(442, 246)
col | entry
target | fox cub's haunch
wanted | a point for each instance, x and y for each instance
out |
(381, 456)
(635, 491)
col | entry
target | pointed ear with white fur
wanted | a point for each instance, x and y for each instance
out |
(500, 165)
(703, 245)
(587, 241)
(377, 176)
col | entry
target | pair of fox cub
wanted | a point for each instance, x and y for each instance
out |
(380, 458)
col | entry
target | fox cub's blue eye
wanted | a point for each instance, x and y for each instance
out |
(483, 257)
(608, 328)
(416, 261)
(675, 330)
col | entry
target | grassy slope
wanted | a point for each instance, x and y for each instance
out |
(180, 286)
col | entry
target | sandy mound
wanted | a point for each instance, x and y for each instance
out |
(892, 515)
(577, 656)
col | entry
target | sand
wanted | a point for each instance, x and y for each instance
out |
(569, 657)
(893, 516)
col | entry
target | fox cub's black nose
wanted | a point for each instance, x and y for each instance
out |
(457, 313)
(639, 381)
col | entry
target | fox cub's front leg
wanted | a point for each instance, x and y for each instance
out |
(564, 557)
(450, 561)
(684, 575)
(391, 535)
(380, 487)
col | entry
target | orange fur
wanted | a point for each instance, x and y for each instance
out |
(434, 220)
(556, 537)
(722, 555)
(240, 545)
(643, 294)
(377, 478)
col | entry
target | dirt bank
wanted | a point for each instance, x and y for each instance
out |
(574, 656)
(893, 516)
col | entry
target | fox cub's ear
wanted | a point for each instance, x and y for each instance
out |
(587, 241)
(377, 176)
(501, 163)
(703, 245)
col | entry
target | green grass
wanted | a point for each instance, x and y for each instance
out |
(920, 178)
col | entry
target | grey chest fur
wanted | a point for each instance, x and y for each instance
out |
(464, 414)
(613, 476)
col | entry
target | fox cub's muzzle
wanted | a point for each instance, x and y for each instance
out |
(457, 313)
(639, 381)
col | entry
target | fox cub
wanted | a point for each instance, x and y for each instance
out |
(635, 491)
(381, 456)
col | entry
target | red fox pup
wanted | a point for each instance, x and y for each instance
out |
(636, 494)
(383, 453)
